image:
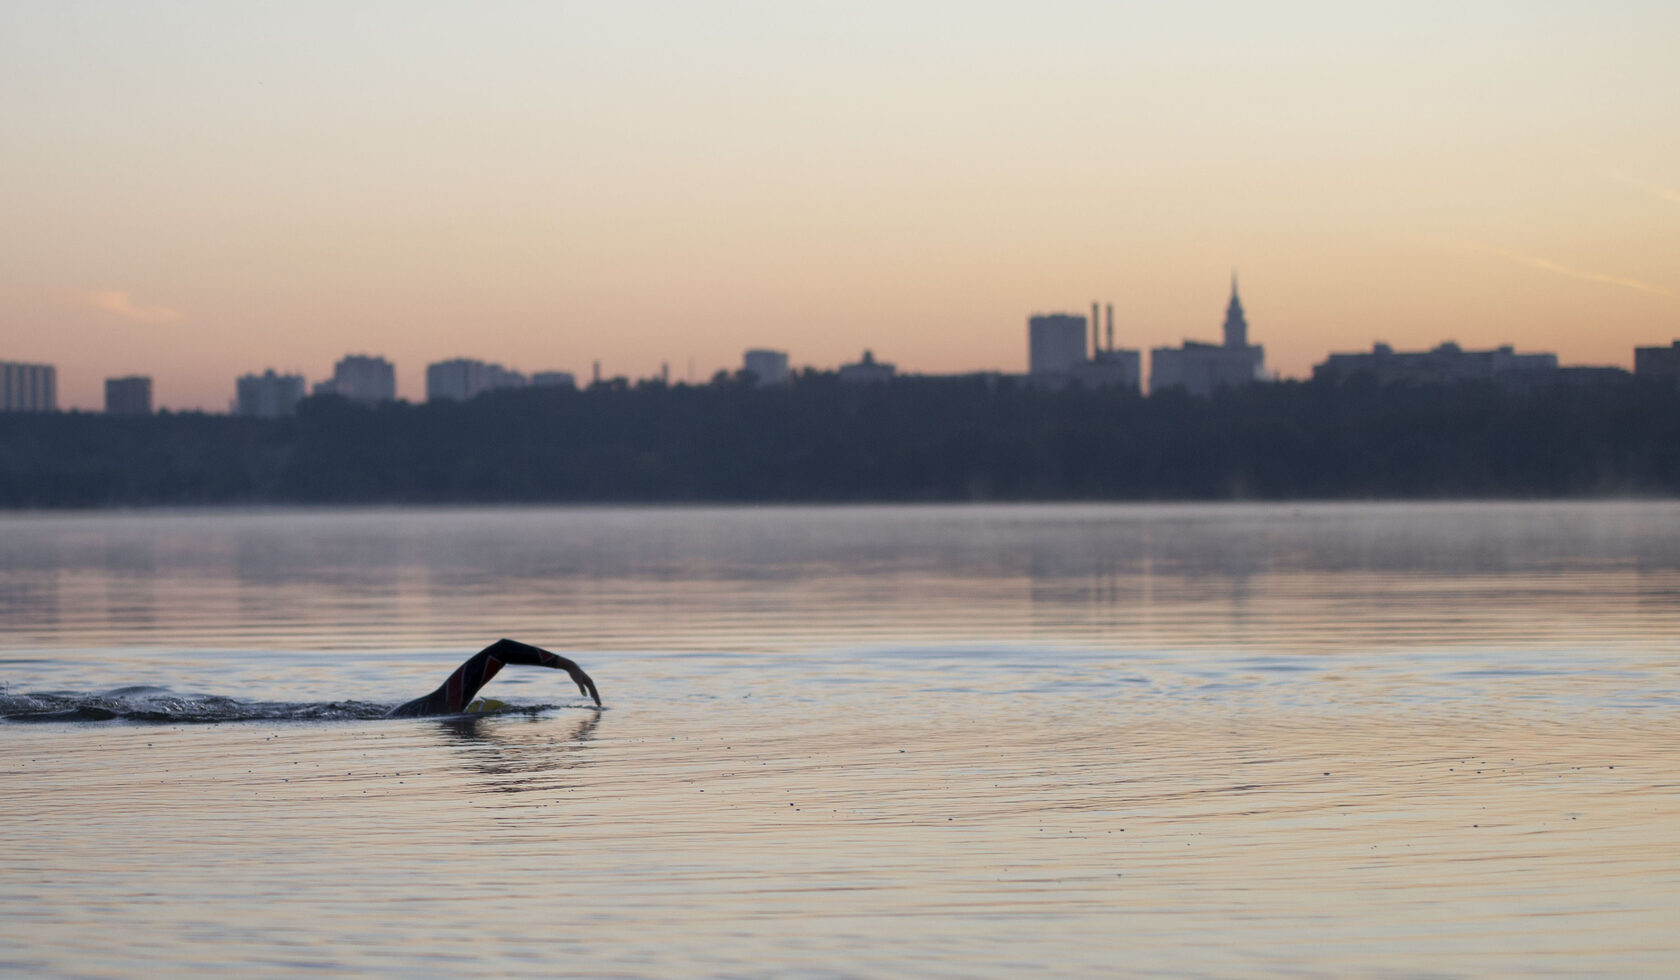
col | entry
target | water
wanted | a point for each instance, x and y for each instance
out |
(947, 742)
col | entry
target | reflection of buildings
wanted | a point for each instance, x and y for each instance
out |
(1056, 353)
(462, 379)
(361, 378)
(128, 396)
(1657, 362)
(1201, 368)
(1446, 364)
(867, 371)
(28, 387)
(770, 367)
(268, 395)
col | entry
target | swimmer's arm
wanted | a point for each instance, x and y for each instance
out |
(515, 652)
(453, 695)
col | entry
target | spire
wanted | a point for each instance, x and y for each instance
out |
(1236, 325)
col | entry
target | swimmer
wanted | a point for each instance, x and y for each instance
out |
(453, 696)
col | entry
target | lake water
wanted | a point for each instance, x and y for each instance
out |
(1327, 740)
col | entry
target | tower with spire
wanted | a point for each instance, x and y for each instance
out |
(1236, 325)
(1202, 368)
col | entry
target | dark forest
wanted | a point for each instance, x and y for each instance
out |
(916, 439)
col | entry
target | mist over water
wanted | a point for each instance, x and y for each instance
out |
(880, 741)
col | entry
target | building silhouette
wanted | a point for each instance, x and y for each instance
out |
(1055, 343)
(1446, 363)
(1058, 354)
(28, 387)
(267, 395)
(1657, 363)
(1201, 368)
(462, 379)
(128, 396)
(867, 371)
(553, 379)
(769, 367)
(1110, 366)
(361, 378)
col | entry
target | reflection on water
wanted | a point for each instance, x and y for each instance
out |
(732, 579)
(1081, 741)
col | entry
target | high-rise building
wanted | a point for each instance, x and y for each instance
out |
(1055, 343)
(770, 367)
(362, 378)
(461, 379)
(268, 395)
(128, 396)
(28, 387)
(1201, 368)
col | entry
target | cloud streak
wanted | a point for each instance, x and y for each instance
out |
(122, 305)
(1584, 275)
(1668, 194)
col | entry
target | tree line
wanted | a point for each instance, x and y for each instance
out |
(913, 439)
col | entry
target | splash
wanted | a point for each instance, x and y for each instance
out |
(151, 705)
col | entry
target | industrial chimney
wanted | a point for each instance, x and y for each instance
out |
(1096, 340)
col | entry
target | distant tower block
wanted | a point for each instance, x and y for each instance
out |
(267, 395)
(1055, 342)
(128, 396)
(28, 387)
(362, 378)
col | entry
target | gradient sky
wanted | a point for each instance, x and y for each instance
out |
(197, 190)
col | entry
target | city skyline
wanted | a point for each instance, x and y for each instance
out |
(1075, 355)
(201, 193)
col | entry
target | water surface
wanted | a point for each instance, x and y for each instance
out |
(977, 741)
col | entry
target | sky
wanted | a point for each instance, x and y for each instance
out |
(195, 191)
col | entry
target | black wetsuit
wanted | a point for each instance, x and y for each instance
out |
(452, 697)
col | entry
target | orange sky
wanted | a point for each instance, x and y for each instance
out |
(209, 191)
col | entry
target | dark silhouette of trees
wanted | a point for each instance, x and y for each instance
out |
(914, 439)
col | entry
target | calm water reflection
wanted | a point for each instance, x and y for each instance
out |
(1188, 741)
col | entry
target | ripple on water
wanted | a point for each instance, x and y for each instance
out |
(1079, 741)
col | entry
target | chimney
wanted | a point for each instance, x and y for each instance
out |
(1096, 339)
(1111, 328)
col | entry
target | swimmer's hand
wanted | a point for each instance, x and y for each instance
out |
(581, 679)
